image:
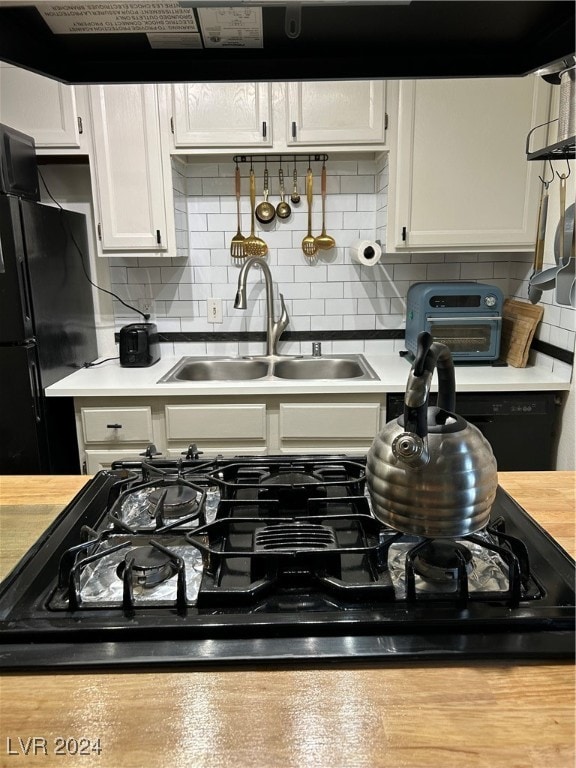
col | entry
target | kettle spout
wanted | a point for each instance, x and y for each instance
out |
(411, 449)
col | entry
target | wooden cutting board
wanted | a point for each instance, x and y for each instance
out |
(519, 321)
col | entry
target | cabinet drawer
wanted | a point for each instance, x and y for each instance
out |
(117, 425)
(96, 460)
(216, 422)
(332, 421)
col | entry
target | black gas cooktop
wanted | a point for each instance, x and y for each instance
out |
(275, 559)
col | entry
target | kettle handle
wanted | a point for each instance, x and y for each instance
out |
(430, 355)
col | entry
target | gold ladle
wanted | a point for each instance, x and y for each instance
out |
(324, 242)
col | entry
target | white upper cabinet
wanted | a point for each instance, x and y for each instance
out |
(462, 180)
(221, 114)
(277, 115)
(132, 177)
(339, 112)
(42, 108)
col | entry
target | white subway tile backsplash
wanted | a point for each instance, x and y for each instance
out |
(359, 322)
(357, 184)
(443, 271)
(412, 272)
(311, 307)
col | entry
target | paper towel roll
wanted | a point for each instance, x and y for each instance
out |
(366, 252)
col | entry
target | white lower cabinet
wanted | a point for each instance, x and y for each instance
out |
(110, 433)
(215, 427)
(95, 460)
(122, 428)
(341, 426)
(117, 425)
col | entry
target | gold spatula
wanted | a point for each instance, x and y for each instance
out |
(237, 242)
(253, 246)
(309, 242)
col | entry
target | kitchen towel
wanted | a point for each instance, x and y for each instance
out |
(366, 252)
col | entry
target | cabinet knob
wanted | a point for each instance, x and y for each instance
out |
(113, 426)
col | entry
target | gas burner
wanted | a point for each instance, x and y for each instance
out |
(292, 487)
(291, 478)
(439, 560)
(148, 566)
(159, 505)
(112, 570)
(294, 484)
(175, 501)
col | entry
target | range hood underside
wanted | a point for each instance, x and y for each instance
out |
(415, 40)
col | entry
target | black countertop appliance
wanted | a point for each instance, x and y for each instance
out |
(139, 345)
(47, 327)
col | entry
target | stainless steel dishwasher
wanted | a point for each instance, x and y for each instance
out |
(520, 426)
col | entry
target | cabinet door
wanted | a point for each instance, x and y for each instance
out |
(462, 176)
(336, 112)
(41, 107)
(128, 168)
(221, 114)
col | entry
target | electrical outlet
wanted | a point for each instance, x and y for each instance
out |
(148, 306)
(214, 310)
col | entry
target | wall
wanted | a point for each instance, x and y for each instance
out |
(330, 293)
(558, 325)
(326, 293)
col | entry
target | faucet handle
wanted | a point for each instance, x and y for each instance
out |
(284, 317)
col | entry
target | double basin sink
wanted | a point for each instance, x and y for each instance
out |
(327, 367)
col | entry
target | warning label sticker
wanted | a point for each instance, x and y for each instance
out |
(92, 18)
(231, 27)
(169, 40)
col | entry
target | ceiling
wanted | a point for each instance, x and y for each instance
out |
(420, 39)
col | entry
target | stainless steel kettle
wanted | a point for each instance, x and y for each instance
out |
(429, 472)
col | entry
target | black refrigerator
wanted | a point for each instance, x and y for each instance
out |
(47, 328)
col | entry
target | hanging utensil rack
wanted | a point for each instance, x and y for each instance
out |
(287, 157)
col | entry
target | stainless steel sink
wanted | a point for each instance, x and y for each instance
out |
(327, 367)
(216, 369)
(353, 367)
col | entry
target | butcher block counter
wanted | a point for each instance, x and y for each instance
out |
(484, 714)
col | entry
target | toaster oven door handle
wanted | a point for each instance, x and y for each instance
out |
(462, 318)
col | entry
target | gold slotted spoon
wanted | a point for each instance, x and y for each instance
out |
(253, 246)
(237, 249)
(324, 242)
(309, 242)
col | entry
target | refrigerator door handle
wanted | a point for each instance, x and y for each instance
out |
(35, 384)
(25, 291)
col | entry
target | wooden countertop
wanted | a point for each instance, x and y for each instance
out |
(445, 715)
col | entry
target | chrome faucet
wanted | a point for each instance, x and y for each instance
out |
(274, 328)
